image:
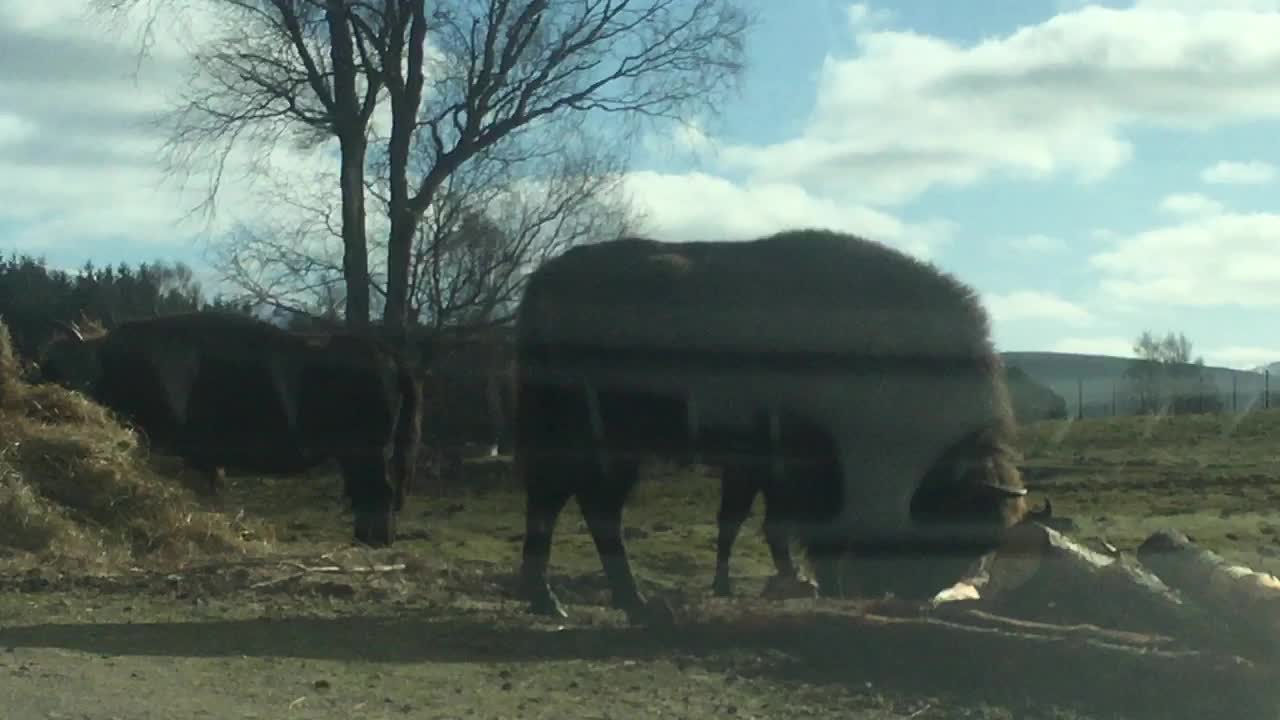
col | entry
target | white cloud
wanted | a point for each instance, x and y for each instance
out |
(48, 14)
(1038, 244)
(912, 111)
(1103, 345)
(691, 136)
(81, 163)
(14, 129)
(1190, 204)
(1224, 259)
(906, 113)
(1034, 305)
(1253, 172)
(1241, 357)
(177, 28)
(697, 206)
(863, 17)
(1199, 6)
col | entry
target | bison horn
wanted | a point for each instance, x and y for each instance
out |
(1044, 513)
(1007, 490)
(69, 329)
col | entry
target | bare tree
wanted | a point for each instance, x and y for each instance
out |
(496, 219)
(457, 82)
(269, 71)
(1167, 379)
(504, 214)
(293, 261)
(1169, 349)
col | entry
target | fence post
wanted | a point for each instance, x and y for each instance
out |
(1079, 399)
(1235, 406)
(1266, 388)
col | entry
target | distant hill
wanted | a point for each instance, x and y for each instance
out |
(1099, 380)
(1273, 368)
(1033, 401)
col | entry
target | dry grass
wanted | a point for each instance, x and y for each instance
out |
(77, 491)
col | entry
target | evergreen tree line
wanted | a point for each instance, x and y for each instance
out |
(32, 294)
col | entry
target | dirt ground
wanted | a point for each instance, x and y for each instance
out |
(210, 644)
(281, 636)
(384, 661)
(314, 628)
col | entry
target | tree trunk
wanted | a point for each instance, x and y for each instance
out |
(350, 123)
(399, 254)
(406, 96)
(355, 248)
(404, 221)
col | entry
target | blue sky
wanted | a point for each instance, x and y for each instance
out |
(1092, 169)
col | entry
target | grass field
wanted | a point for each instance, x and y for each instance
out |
(271, 632)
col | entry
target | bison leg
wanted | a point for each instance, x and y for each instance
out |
(738, 489)
(602, 511)
(777, 535)
(825, 544)
(217, 480)
(215, 477)
(787, 581)
(601, 505)
(372, 498)
(545, 497)
(825, 557)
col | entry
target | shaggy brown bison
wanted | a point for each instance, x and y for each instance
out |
(742, 482)
(471, 391)
(881, 365)
(225, 390)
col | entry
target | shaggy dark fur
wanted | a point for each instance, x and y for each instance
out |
(881, 367)
(229, 391)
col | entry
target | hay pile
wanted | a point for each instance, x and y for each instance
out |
(75, 489)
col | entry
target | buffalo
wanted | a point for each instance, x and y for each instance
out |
(230, 391)
(741, 483)
(890, 432)
(471, 392)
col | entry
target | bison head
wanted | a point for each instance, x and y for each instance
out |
(70, 359)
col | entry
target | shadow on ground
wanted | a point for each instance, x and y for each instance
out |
(964, 668)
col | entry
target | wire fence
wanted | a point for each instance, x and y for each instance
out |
(1243, 392)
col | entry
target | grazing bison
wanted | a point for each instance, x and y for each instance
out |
(890, 430)
(471, 392)
(225, 390)
(742, 482)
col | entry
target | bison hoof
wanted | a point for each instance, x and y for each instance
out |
(375, 529)
(547, 604)
(654, 613)
(786, 587)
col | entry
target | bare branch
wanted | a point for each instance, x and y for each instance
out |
(504, 214)
(659, 59)
(472, 182)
